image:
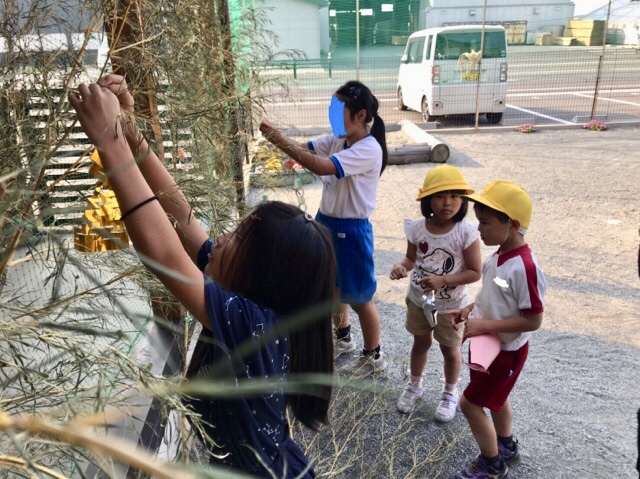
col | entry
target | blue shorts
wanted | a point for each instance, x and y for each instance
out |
(353, 243)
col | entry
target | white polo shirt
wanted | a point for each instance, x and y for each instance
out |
(352, 192)
(512, 285)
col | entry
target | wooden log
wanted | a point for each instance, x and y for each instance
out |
(439, 151)
(412, 153)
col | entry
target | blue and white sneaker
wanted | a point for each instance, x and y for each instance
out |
(510, 456)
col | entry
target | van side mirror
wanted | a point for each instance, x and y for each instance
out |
(403, 59)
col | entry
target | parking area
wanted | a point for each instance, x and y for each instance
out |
(546, 85)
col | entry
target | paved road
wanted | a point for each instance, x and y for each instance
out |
(546, 86)
(576, 401)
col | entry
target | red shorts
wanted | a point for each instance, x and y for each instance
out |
(492, 389)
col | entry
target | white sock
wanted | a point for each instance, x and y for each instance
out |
(416, 381)
(451, 388)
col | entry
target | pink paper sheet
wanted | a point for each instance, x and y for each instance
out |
(483, 349)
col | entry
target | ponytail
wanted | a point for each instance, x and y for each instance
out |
(359, 97)
(378, 131)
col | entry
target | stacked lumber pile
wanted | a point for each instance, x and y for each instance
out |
(564, 41)
(516, 33)
(544, 38)
(586, 32)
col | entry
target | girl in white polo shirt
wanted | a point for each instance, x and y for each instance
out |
(350, 162)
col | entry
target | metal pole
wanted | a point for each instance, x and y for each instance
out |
(484, 21)
(358, 40)
(604, 44)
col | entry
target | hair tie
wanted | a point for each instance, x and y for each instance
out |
(138, 206)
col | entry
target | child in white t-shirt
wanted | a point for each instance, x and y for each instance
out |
(350, 162)
(444, 253)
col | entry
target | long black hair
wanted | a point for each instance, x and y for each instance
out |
(285, 261)
(359, 97)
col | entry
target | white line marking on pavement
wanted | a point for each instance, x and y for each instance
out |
(607, 99)
(303, 102)
(312, 101)
(511, 93)
(531, 112)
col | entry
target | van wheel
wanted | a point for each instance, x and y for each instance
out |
(494, 118)
(401, 105)
(426, 116)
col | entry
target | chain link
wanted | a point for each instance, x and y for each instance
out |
(297, 187)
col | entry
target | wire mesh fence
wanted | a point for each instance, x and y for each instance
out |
(65, 328)
(566, 86)
(547, 86)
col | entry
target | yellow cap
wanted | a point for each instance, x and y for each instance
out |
(443, 178)
(508, 198)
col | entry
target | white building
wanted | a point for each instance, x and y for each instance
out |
(523, 18)
(301, 25)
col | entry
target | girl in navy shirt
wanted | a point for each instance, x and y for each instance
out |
(278, 263)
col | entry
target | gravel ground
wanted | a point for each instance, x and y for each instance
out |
(576, 401)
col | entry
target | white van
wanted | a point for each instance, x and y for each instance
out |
(439, 72)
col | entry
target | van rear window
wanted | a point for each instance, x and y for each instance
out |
(450, 45)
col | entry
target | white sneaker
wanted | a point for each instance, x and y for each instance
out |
(379, 364)
(365, 365)
(408, 398)
(447, 406)
(340, 346)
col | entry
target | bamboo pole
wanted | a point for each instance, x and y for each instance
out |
(125, 29)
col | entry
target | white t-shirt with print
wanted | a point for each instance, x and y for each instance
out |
(352, 192)
(439, 255)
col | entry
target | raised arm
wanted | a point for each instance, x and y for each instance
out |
(173, 201)
(149, 228)
(298, 151)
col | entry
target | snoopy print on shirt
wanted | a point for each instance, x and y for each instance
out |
(439, 255)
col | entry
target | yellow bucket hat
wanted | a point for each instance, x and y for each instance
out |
(508, 198)
(443, 178)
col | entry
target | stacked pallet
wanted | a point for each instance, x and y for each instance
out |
(586, 32)
(67, 182)
(544, 38)
(516, 32)
(564, 41)
(66, 178)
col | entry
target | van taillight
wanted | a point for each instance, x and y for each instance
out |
(503, 72)
(435, 74)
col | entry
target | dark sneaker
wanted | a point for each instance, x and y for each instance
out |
(510, 456)
(479, 469)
